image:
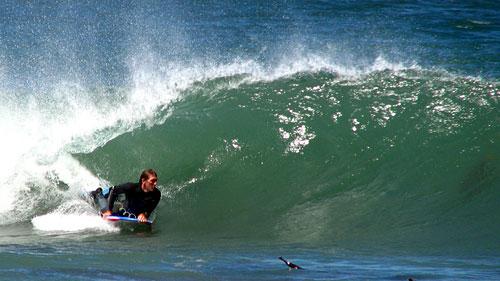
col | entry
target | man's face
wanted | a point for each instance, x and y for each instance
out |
(149, 184)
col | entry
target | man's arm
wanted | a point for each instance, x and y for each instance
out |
(150, 208)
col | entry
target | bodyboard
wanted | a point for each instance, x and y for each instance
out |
(127, 219)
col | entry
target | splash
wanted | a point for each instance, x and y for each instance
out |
(71, 223)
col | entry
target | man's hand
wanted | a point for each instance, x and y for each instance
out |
(105, 214)
(142, 217)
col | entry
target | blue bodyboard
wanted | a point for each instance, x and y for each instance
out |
(126, 219)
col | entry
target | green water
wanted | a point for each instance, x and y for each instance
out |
(392, 159)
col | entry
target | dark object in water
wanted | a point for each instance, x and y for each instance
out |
(291, 265)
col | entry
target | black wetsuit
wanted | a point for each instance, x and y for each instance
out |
(138, 201)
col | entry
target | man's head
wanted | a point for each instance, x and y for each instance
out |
(148, 180)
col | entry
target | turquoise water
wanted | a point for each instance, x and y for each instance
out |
(357, 139)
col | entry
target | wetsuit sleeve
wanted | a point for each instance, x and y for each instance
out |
(123, 188)
(150, 207)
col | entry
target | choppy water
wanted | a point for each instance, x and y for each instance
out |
(358, 139)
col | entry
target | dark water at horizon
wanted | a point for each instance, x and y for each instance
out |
(359, 139)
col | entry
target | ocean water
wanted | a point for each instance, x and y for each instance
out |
(359, 139)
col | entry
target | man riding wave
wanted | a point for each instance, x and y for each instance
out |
(142, 197)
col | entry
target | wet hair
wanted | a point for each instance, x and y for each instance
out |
(146, 174)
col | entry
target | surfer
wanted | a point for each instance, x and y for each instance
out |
(142, 197)
(290, 265)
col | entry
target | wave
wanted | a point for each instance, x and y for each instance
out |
(59, 118)
(307, 151)
(393, 156)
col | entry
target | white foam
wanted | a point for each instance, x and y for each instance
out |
(71, 223)
(43, 129)
(300, 62)
(73, 215)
